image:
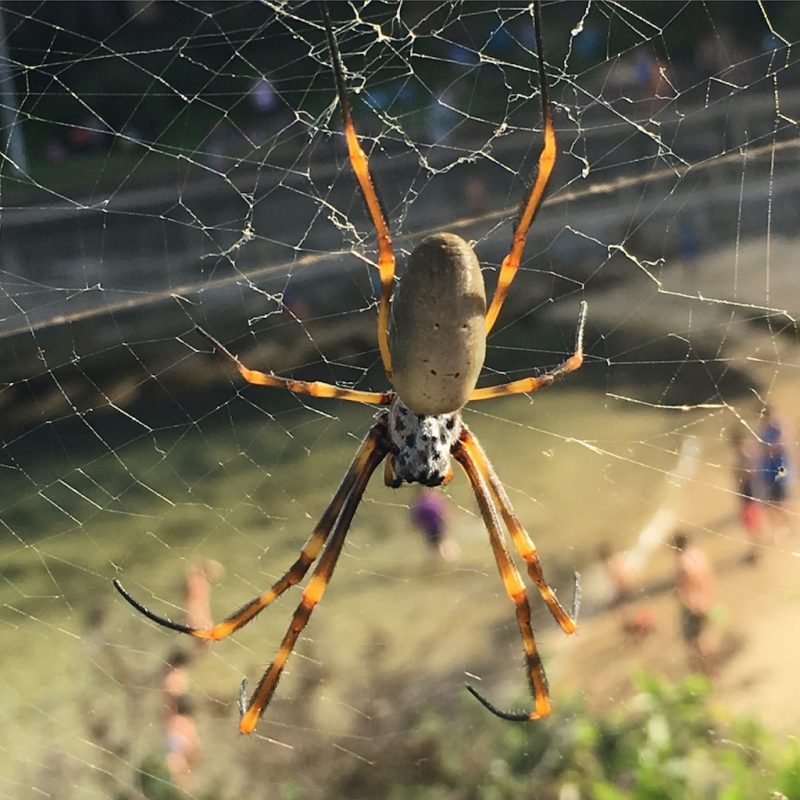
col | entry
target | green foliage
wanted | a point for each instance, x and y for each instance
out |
(668, 742)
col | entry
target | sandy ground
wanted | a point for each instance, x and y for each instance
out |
(758, 612)
(759, 608)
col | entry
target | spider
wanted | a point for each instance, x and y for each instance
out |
(432, 351)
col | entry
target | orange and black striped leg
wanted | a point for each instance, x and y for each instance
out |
(313, 388)
(547, 160)
(533, 384)
(374, 442)
(313, 592)
(515, 590)
(358, 160)
(525, 546)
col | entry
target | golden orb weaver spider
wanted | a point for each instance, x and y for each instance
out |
(432, 353)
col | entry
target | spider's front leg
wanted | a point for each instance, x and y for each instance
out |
(366, 183)
(531, 204)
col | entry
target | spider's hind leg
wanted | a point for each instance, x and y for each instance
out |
(522, 541)
(371, 455)
(375, 441)
(514, 588)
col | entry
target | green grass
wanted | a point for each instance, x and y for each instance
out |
(247, 493)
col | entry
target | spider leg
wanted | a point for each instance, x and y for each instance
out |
(532, 384)
(311, 549)
(358, 160)
(514, 588)
(312, 594)
(313, 388)
(547, 160)
(523, 543)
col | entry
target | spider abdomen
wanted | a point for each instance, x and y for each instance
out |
(438, 326)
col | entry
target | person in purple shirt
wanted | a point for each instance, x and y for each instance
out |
(429, 516)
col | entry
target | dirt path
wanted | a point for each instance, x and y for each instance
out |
(758, 613)
(760, 610)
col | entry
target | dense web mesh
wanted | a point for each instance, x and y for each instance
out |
(167, 165)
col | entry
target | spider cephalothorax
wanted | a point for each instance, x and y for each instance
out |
(421, 445)
(439, 323)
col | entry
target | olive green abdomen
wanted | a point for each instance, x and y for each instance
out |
(438, 326)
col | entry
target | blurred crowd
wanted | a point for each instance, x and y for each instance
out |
(763, 476)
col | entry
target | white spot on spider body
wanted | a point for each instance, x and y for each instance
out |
(438, 326)
(422, 444)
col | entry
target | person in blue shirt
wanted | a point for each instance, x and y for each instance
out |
(775, 468)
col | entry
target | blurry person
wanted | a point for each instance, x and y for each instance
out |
(262, 95)
(694, 582)
(265, 103)
(429, 515)
(175, 680)
(183, 744)
(619, 573)
(749, 491)
(688, 251)
(297, 306)
(441, 119)
(775, 470)
(621, 576)
(197, 595)
(55, 152)
(475, 196)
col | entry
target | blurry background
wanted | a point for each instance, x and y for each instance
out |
(172, 164)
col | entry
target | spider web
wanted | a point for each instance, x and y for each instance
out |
(166, 165)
